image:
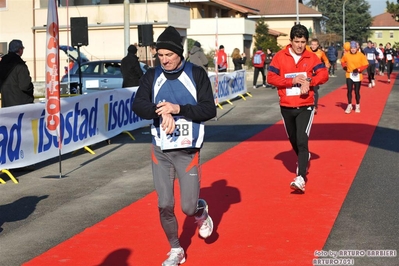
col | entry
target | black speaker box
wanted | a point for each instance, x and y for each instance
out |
(79, 31)
(145, 34)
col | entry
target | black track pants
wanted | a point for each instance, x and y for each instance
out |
(298, 122)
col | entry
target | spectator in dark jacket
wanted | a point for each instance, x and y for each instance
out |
(238, 59)
(130, 68)
(332, 55)
(15, 82)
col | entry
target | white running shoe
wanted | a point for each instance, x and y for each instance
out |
(389, 81)
(370, 85)
(298, 184)
(254, 87)
(348, 109)
(205, 223)
(176, 257)
(357, 110)
(373, 82)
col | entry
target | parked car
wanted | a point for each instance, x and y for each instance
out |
(96, 75)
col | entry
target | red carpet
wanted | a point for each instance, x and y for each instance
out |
(258, 220)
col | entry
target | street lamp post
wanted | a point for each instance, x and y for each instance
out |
(297, 12)
(343, 22)
(126, 24)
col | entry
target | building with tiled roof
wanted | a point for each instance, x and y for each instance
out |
(109, 37)
(222, 18)
(385, 29)
(286, 8)
(236, 21)
(281, 15)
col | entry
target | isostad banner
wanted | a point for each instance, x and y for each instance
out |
(230, 85)
(84, 120)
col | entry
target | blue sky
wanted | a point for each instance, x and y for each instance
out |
(377, 6)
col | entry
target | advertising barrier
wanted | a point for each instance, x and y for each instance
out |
(230, 85)
(85, 120)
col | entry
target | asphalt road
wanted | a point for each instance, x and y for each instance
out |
(44, 210)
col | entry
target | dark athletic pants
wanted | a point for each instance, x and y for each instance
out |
(351, 85)
(331, 70)
(298, 122)
(389, 69)
(370, 72)
(381, 66)
(165, 167)
(258, 70)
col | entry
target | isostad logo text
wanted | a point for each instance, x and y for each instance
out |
(76, 125)
(120, 113)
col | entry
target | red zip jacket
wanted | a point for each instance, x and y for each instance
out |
(283, 63)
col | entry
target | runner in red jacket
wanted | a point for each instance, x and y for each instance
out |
(294, 71)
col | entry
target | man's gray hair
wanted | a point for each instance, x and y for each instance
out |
(15, 45)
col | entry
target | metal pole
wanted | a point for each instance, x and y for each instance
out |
(80, 71)
(126, 9)
(216, 60)
(343, 22)
(297, 11)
